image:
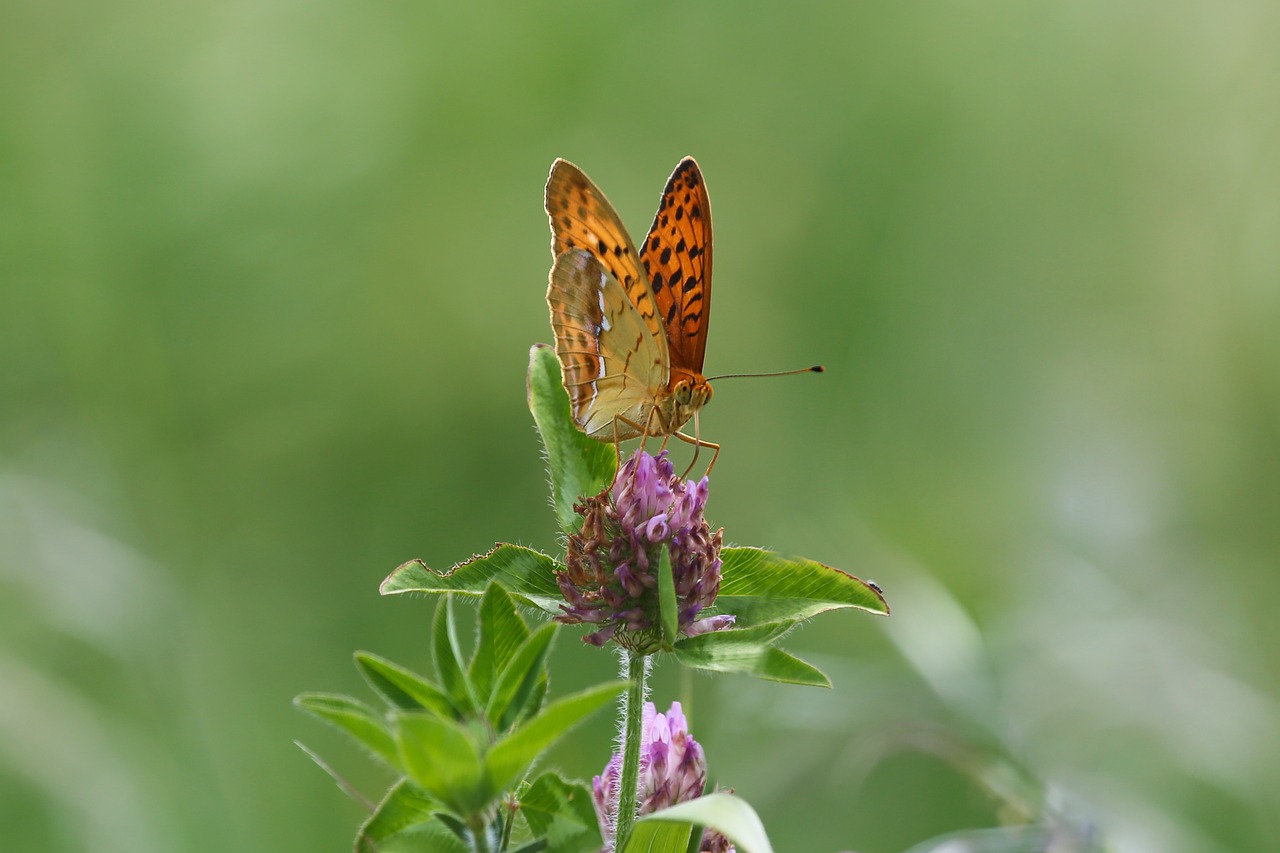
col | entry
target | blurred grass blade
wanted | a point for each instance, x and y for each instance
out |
(345, 786)
(523, 572)
(579, 465)
(1010, 839)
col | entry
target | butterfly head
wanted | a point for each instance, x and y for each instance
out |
(689, 393)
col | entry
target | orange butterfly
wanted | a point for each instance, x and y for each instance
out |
(631, 327)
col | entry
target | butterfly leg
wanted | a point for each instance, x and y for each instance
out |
(617, 442)
(698, 443)
(642, 430)
(647, 430)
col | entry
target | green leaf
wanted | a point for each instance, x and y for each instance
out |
(402, 688)
(755, 635)
(514, 753)
(519, 680)
(456, 826)
(405, 807)
(731, 816)
(444, 648)
(501, 632)
(431, 836)
(660, 837)
(760, 586)
(357, 719)
(535, 846)
(748, 650)
(579, 465)
(668, 610)
(525, 573)
(441, 757)
(536, 699)
(562, 812)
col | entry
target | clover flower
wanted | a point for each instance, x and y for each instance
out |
(673, 769)
(610, 577)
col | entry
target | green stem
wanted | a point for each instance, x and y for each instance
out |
(479, 835)
(509, 818)
(633, 723)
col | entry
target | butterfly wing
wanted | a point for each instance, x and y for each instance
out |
(676, 257)
(612, 363)
(582, 218)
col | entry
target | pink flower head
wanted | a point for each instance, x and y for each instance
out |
(673, 769)
(610, 578)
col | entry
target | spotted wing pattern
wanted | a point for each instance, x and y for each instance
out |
(582, 218)
(612, 363)
(676, 257)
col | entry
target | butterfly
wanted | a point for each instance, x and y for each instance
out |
(631, 326)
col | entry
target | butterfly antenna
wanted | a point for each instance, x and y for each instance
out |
(817, 368)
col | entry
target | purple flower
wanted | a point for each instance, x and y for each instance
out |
(673, 769)
(610, 577)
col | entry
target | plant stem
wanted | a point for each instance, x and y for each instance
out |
(479, 835)
(633, 723)
(509, 819)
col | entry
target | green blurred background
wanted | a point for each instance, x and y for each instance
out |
(269, 272)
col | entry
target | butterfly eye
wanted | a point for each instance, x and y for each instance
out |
(683, 392)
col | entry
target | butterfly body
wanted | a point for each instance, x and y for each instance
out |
(630, 325)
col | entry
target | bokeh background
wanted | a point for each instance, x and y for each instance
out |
(269, 272)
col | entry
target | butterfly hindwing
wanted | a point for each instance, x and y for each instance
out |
(676, 258)
(613, 365)
(582, 218)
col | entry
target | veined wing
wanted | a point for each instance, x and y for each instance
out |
(582, 218)
(676, 257)
(612, 364)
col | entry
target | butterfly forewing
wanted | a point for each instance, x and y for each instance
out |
(676, 258)
(613, 365)
(582, 218)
